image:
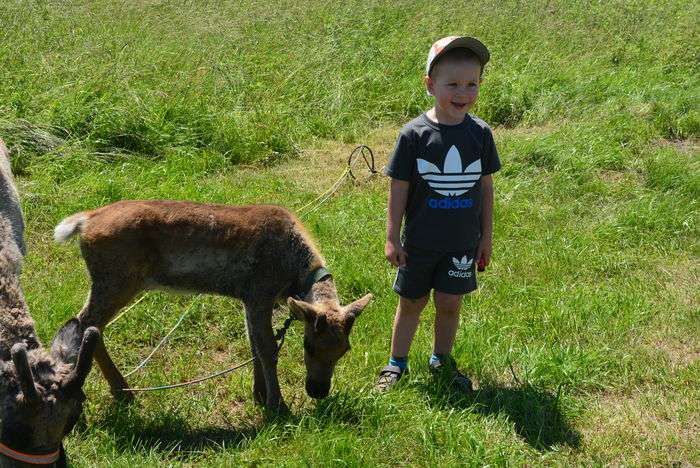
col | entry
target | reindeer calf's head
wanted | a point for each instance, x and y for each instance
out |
(41, 396)
(327, 328)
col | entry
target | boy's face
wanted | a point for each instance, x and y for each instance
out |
(455, 86)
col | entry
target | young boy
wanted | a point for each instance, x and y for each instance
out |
(441, 184)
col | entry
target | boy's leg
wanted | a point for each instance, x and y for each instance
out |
(405, 324)
(413, 284)
(447, 308)
(454, 278)
(446, 324)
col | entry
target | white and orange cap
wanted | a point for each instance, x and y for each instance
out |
(456, 42)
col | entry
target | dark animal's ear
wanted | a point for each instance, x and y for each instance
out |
(66, 343)
(24, 373)
(76, 379)
(353, 310)
(301, 310)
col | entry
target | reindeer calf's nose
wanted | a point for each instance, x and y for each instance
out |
(317, 389)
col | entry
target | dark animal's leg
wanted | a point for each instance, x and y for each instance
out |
(259, 320)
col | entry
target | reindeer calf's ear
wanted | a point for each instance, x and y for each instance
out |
(355, 308)
(301, 310)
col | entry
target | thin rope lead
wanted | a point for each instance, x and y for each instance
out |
(190, 382)
(165, 338)
(325, 194)
(279, 336)
(126, 310)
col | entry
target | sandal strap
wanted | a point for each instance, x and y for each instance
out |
(389, 369)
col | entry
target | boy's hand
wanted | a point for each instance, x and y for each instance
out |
(395, 253)
(483, 252)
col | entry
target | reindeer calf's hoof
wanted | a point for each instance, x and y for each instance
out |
(123, 397)
(260, 397)
(280, 409)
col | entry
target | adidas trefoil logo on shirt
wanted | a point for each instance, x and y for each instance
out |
(463, 265)
(451, 180)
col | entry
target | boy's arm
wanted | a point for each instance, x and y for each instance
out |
(483, 252)
(398, 197)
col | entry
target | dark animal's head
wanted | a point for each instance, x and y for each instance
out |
(327, 328)
(41, 397)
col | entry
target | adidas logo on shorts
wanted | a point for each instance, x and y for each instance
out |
(463, 266)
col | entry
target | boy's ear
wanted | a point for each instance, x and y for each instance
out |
(428, 84)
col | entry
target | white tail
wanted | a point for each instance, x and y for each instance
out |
(69, 227)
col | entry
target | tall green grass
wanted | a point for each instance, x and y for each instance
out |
(250, 80)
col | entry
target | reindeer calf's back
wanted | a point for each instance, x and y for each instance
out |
(198, 247)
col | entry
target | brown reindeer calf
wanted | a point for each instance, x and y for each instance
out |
(260, 254)
(40, 393)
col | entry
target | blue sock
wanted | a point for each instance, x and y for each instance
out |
(435, 358)
(401, 363)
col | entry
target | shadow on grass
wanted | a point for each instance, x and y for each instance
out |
(172, 433)
(535, 413)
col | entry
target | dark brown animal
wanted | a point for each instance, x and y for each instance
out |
(260, 254)
(40, 392)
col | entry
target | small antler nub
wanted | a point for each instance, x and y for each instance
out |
(24, 372)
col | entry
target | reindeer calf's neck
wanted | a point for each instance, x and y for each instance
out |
(324, 292)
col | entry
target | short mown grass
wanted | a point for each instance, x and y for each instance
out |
(583, 336)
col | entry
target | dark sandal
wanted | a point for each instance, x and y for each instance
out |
(388, 377)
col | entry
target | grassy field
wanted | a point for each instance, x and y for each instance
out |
(585, 334)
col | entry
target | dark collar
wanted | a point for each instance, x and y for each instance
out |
(312, 278)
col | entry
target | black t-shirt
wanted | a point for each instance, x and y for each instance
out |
(444, 165)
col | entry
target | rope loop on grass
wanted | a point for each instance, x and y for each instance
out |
(361, 151)
(321, 199)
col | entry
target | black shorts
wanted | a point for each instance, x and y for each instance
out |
(448, 272)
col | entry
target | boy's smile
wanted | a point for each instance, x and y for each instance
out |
(455, 86)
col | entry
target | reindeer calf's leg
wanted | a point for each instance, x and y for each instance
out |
(105, 299)
(116, 380)
(259, 320)
(259, 387)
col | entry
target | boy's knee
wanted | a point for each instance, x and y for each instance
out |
(447, 303)
(413, 305)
